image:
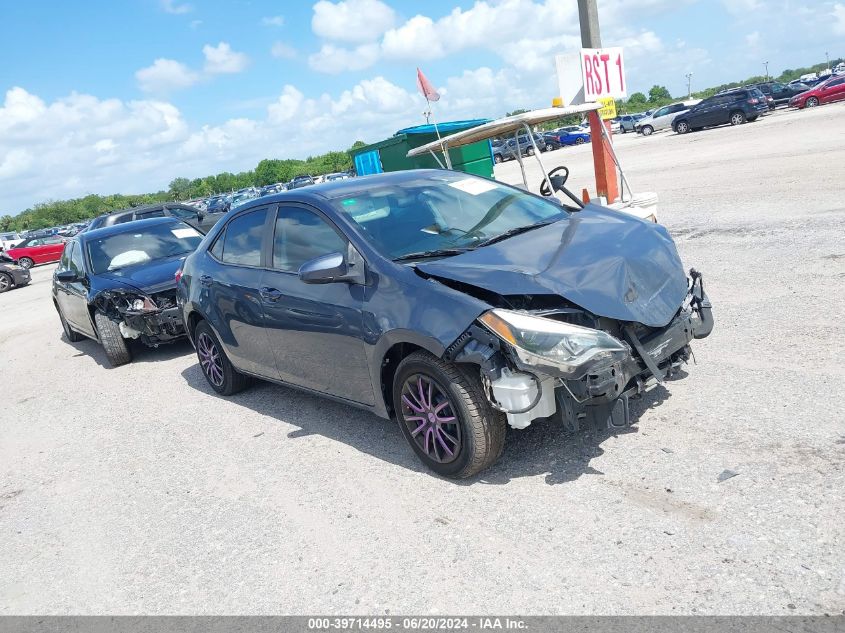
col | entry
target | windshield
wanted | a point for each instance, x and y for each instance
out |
(442, 212)
(142, 246)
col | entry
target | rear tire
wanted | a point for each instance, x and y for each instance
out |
(117, 351)
(215, 365)
(647, 130)
(812, 102)
(71, 335)
(530, 151)
(737, 118)
(26, 262)
(579, 141)
(6, 282)
(478, 428)
(497, 159)
(682, 127)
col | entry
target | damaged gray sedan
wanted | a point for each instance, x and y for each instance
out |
(457, 304)
(118, 283)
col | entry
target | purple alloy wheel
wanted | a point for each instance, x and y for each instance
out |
(431, 419)
(210, 359)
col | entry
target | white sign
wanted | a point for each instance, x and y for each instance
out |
(603, 73)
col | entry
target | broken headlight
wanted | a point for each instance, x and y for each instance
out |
(140, 304)
(546, 343)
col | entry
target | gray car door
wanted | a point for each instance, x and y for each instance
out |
(230, 287)
(315, 330)
(74, 295)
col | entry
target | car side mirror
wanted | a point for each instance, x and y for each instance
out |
(67, 276)
(334, 268)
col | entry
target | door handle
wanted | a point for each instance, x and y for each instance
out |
(269, 294)
(206, 280)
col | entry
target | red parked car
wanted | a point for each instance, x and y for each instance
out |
(826, 92)
(37, 250)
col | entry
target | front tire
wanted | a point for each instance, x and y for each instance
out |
(497, 159)
(117, 351)
(647, 130)
(812, 102)
(6, 282)
(445, 417)
(737, 118)
(26, 263)
(215, 365)
(682, 127)
(579, 141)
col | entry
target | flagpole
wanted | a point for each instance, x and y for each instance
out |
(437, 131)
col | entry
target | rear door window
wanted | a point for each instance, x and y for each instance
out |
(241, 243)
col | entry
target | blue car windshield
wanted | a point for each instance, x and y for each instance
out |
(448, 211)
(132, 248)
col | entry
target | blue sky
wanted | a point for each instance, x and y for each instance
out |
(104, 97)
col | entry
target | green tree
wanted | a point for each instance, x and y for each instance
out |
(180, 188)
(638, 98)
(658, 93)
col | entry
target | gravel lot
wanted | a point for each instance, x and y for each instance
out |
(137, 490)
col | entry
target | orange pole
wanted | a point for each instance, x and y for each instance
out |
(607, 184)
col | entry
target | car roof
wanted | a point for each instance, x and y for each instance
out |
(125, 227)
(332, 189)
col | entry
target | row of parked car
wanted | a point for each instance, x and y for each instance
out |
(734, 106)
(507, 149)
(457, 305)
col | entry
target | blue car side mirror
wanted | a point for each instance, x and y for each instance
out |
(324, 269)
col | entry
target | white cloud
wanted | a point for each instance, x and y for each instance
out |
(222, 59)
(165, 75)
(741, 6)
(280, 50)
(752, 40)
(839, 18)
(352, 20)
(195, 24)
(333, 59)
(170, 6)
(273, 20)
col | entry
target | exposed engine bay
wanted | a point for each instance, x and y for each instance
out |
(542, 356)
(154, 319)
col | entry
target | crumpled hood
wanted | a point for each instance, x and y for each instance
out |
(150, 277)
(609, 263)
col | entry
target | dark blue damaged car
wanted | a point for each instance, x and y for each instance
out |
(457, 304)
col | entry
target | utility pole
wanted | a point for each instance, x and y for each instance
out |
(767, 70)
(827, 57)
(588, 15)
(689, 85)
(607, 181)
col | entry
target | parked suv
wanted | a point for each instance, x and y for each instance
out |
(662, 118)
(628, 122)
(734, 107)
(780, 93)
(508, 149)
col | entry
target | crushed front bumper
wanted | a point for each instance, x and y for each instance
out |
(602, 395)
(155, 328)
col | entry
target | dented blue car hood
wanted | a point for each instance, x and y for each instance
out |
(609, 263)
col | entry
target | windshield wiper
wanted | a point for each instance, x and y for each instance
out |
(514, 231)
(440, 252)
